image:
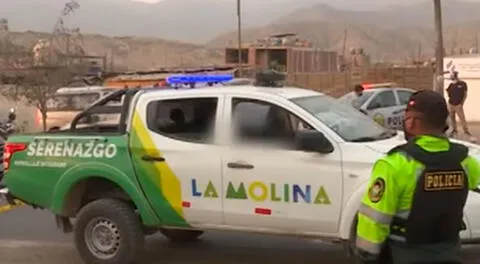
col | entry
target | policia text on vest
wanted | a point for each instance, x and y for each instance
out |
(444, 180)
(413, 208)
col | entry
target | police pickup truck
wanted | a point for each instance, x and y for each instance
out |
(280, 161)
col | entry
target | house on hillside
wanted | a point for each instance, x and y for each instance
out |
(283, 52)
(355, 59)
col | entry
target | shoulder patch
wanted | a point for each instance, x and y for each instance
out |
(376, 190)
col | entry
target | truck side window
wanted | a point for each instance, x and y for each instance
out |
(255, 120)
(190, 119)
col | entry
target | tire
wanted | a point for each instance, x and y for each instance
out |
(113, 220)
(181, 236)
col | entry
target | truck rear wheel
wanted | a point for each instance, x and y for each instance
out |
(108, 231)
(181, 236)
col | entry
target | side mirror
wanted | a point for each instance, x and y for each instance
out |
(314, 141)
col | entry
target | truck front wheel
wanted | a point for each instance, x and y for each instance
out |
(181, 236)
(108, 231)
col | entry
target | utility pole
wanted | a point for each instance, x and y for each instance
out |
(419, 54)
(476, 43)
(439, 50)
(239, 22)
(344, 49)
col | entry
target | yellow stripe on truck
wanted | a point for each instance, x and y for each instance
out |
(170, 185)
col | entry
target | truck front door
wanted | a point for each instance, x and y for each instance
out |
(269, 185)
(176, 158)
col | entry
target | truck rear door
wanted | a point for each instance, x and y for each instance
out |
(176, 157)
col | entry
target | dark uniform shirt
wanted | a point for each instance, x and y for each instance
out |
(456, 92)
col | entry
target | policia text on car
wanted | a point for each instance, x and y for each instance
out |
(413, 209)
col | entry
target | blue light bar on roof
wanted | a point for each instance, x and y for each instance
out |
(178, 79)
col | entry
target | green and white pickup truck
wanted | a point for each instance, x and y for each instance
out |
(282, 161)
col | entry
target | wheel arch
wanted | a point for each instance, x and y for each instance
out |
(73, 188)
(349, 214)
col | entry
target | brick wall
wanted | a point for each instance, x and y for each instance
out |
(339, 83)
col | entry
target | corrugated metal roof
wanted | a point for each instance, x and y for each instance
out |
(164, 73)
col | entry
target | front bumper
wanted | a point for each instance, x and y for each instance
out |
(11, 201)
(5, 194)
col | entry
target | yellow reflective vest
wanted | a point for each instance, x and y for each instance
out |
(391, 189)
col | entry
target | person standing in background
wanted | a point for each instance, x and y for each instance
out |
(358, 89)
(457, 94)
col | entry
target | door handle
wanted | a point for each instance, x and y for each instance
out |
(153, 158)
(240, 165)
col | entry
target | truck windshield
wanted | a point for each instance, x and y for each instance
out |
(348, 123)
(71, 102)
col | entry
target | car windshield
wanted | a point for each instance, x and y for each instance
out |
(354, 100)
(348, 123)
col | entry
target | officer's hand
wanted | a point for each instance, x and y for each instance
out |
(363, 257)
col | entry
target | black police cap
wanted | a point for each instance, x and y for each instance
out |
(430, 104)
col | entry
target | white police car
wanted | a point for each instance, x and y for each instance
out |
(385, 104)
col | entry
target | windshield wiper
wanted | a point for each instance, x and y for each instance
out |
(364, 139)
(388, 134)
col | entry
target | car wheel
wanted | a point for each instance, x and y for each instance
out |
(181, 236)
(108, 231)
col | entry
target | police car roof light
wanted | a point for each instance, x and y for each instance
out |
(367, 86)
(195, 78)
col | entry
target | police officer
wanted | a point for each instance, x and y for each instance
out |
(414, 203)
(358, 89)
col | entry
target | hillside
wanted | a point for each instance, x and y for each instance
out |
(400, 32)
(381, 44)
(136, 53)
(193, 21)
(418, 14)
(384, 30)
